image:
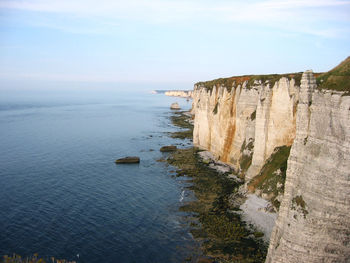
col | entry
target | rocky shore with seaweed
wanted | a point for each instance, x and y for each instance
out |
(214, 216)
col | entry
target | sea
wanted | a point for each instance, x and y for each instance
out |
(63, 196)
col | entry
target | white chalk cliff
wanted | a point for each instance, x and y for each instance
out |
(314, 218)
(244, 124)
(227, 120)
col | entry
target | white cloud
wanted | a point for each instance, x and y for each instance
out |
(278, 4)
(290, 15)
(168, 9)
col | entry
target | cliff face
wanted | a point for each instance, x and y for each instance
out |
(252, 126)
(313, 223)
(245, 122)
(222, 120)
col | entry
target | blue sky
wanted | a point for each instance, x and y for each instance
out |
(166, 43)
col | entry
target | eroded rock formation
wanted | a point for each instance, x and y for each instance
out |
(313, 223)
(227, 121)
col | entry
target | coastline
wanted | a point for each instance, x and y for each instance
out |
(218, 220)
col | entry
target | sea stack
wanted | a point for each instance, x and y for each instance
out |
(175, 106)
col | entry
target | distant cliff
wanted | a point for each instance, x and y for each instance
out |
(175, 93)
(288, 136)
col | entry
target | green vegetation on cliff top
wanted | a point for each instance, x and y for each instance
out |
(239, 80)
(336, 79)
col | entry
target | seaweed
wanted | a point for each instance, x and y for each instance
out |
(181, 120)
(222, 232)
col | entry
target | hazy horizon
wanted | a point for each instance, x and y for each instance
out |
(166, 44)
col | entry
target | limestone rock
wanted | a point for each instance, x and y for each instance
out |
(227, 121)
(313, 223)
(222, 120)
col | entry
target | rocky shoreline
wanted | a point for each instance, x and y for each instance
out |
(216, 215)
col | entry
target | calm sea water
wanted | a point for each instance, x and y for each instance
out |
(61, 193)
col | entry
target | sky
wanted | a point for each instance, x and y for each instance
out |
(165, 43)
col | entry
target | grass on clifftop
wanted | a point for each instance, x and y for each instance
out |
(239, 80)
(336, 79)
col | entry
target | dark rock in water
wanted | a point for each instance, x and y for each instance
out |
(169, 148)
(205, 259)
(129, 159)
